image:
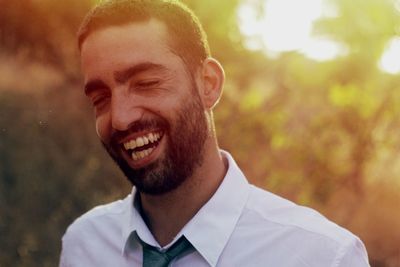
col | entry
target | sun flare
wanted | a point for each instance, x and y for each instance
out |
(287, 25)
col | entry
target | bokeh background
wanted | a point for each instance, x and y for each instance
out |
(323, 132)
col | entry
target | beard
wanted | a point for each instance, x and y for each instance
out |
(183, 153)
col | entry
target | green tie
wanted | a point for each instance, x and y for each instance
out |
(152, 257)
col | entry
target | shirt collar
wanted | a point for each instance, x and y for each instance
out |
(209, 230)
(133, 225)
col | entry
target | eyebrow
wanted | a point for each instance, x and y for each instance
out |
(125, 75)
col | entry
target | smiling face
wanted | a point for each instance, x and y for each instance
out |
(149, 115)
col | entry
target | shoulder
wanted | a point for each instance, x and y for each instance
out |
(89, 233)
(274, 222)
(267, 208)
(102, 215)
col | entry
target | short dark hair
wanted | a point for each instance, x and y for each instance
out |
(189, 40)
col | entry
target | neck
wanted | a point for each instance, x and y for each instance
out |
(184, 202)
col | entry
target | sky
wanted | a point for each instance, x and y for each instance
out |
(290, 29)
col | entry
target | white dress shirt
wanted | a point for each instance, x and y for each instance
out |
(241, 225)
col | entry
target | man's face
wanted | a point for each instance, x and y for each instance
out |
(149, 115)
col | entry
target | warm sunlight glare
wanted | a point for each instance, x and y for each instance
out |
(390, 61)
(287, 26)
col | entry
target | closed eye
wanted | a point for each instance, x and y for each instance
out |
(100, 99)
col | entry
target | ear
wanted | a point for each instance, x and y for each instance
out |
(213, 78)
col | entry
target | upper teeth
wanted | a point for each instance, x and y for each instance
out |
(142, 140)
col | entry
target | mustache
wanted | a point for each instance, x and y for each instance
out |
(141, 125)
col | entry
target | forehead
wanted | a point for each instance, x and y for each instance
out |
(116, 47)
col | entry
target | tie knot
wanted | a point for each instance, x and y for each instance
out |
(155, 258)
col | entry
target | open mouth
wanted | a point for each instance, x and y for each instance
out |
(142, 146)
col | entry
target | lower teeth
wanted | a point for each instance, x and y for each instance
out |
(141, 154)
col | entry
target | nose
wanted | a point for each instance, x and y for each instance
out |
(124, 111)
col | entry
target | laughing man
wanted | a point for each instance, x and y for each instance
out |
(153, 85)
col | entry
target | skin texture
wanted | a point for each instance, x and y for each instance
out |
(137, 84)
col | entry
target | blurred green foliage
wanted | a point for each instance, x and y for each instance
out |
(323, 134)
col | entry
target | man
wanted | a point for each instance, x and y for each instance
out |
(153, 85)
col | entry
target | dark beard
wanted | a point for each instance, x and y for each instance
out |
(184, 151)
